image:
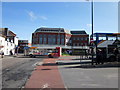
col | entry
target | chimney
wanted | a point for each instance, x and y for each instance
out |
(5, 31)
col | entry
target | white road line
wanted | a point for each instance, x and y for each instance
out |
(37, 64)
(45, 85)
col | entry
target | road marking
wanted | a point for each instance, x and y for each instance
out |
(66, 87)
(45, 85)
(37, 64)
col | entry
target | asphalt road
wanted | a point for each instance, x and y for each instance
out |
(16, 71)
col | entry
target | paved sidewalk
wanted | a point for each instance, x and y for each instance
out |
(70, 72)
(46, 77)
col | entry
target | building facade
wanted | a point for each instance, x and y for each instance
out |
(50, 36)
(22, 44)
(9, 41)
(59, 36)
(2, 43)
(79, 38)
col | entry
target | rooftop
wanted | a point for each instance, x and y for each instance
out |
(78, 32)
(59, 30)
(6, 32)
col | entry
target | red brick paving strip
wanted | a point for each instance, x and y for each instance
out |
(46, 77)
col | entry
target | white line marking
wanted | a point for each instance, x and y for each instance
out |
(45, 85)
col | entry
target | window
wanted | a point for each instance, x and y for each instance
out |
(86, 38)
(62, 40)
(73, 38)
(49, 39)
(81, 38)
(54, 39)
(45, 39)
(40, 39)
(58, 39)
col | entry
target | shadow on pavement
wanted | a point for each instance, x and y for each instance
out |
(84, 64)
(65, 63)
(106, 65)
(71, 63)
(81, 59)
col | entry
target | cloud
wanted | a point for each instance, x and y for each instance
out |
(34, 16)
(89, 25)
(43, 17)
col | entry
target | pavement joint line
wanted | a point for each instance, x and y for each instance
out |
(62, 78)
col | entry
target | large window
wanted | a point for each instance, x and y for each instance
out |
(40, 38)
(82, 38)
(63, 39)
(58, 39)
(54, 39)
(45, 39)
(49, 39)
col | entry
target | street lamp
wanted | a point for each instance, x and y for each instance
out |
(92, 26)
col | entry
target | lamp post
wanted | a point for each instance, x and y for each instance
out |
(92, 27)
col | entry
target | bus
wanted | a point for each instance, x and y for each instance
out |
(37, 51)
(107, 42)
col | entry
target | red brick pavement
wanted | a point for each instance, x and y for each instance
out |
(46, 77)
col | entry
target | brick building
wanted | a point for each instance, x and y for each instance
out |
(49, 37)
(59, 36)
(79, 38)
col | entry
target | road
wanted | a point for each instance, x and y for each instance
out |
(16, 71)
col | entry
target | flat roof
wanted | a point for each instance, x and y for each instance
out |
(105, 34)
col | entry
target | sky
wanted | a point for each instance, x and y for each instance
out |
(119, 17)
(23, 18)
